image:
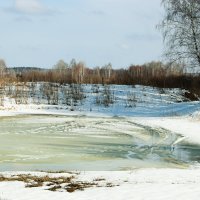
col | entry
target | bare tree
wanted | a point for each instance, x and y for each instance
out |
(61, 65)
(2, 67)
(78, 72)
(181, 31)
(2, 94)
(105, 73)
(62, 72)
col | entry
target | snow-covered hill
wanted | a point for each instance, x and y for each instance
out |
(111, 100)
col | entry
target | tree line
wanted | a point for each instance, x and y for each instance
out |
(156, 74)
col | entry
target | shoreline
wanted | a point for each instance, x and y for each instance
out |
(136, 184)
(148, 183)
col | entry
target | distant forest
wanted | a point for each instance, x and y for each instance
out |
(154, 74)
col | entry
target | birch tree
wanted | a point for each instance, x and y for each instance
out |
(181, 31)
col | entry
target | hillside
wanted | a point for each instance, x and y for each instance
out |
(103, 99)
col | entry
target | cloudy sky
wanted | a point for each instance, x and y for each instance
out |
(40, 32)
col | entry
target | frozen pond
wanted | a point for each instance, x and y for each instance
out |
(44, 142)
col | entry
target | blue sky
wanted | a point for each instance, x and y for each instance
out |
(40, 32)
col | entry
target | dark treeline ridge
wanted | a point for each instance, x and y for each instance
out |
(154, 74)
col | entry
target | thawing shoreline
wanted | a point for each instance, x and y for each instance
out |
(155, 184)
(151, 184)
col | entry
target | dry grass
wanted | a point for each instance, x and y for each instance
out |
(61, 172)
(62, 183)
(38, 181)
(55, 188)
(99, 179)
(109, 185)
(79, 186)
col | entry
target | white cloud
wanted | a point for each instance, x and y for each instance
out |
(29, 6)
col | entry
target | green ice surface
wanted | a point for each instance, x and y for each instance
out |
(48, 142)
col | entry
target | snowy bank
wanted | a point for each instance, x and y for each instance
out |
(110, 100)
(151, 184)
(187, 126)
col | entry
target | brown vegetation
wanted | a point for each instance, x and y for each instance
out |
(154, 74)
(64, 183)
